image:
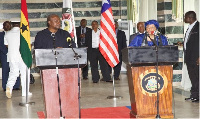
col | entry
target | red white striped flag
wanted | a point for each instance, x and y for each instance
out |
(108, 41)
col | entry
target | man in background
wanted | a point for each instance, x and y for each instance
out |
(121, 42)
(95, 55)
(17, 65)
(141, 30)
(82, 32)
(3, 58)
(191, 53)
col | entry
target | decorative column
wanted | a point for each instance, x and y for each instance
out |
(173, 30)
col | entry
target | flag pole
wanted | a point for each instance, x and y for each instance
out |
(27, 87)
(114, 96)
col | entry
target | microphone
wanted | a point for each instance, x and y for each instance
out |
(54, 39)
(146, 33)
(53, 35)
(156, 33)
(154, 42)
(69, 41)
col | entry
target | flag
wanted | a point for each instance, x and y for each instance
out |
(108, 41)
(25, 46)
(68, 23)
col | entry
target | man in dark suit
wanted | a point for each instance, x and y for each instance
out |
(81, 33)
(191, 50)
(3, 58)
(121, 41)
(141, 29)
(53, 36)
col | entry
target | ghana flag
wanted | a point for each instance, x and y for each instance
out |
(25, 46)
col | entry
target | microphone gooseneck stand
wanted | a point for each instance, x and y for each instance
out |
(76, 57)
(55, 53)
(157, 101)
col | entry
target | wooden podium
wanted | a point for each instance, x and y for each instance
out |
(141, 71)
(68, 80)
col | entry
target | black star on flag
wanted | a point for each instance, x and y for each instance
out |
(24, 27)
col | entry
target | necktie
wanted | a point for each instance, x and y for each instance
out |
(82, 30)
(83, 39)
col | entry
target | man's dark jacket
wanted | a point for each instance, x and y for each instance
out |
(78, 33)
(192, 45)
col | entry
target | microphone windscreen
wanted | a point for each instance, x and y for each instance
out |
(68, 39)
(53, 35)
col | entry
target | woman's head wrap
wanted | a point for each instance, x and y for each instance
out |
(152, 22)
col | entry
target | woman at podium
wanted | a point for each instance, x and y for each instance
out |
(151, 37)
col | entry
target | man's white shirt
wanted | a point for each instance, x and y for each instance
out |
(188, 33)
(95, 38)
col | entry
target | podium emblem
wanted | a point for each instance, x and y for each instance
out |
(149, 83)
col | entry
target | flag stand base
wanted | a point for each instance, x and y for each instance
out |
(27, 104)
(114, 97)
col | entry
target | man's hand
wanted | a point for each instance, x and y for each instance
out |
(180, 43)
(82, 35)
(198, 61)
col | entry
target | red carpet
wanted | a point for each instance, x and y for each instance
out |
(41, 115)
(102, 112)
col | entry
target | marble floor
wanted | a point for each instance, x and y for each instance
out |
(92, 95)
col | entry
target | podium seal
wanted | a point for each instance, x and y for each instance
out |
(149, 83)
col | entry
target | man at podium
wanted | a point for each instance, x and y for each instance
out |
(53, 36)
(58, 93)
(150, 37)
